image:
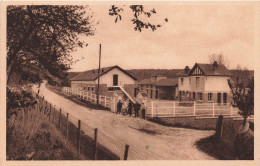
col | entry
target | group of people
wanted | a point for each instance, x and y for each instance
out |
(132, 106)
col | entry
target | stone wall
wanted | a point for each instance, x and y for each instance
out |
(192, 122)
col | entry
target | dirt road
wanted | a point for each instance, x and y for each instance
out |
(150, 140)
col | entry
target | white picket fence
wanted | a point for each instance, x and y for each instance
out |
(189, 108)
(89, 96)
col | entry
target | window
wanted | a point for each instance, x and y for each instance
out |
(197, 81)
(209, 96)
(156, 94)
(92, 88)
(88, 88)
(182, 81)
(85, 88)
(151, 94)
(194, 95)
(135, 92)
(200, 96)
(115, 80)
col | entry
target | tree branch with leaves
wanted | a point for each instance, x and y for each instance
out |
(138, 11)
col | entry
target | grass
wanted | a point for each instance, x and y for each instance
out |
(233, 146)
(37, 137)
(34, 138)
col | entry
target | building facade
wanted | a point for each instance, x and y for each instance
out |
(159, 87)
(205, 83)
(111, 79)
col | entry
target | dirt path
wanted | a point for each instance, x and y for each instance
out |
(150, 140)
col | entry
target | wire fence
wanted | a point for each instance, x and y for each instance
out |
(88, 141)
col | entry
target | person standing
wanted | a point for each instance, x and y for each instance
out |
(143, 110)
(119, 107)
(136, 109)
(130, 107)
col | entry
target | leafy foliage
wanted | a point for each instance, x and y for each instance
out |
(40, 38)
(243, 96)
(137, 10)
(18, 98)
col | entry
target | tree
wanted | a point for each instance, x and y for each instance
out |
(243, 95)
(40, 38)
(220, 58)
(138, 11)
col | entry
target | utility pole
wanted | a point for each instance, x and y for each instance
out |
(98, 74)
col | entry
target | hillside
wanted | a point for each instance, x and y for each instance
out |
(141, 74)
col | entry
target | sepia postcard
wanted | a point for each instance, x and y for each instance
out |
(129, 82)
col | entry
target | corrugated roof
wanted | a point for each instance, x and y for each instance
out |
(91, 75)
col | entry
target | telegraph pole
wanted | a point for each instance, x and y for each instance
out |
(98, 74)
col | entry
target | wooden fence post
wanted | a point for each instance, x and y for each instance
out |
(174, 108)
(23, 116)
(60, 120)
(50, 106)
(53, 115)
(95, 144)
(152, 107)
(67, 126)
(50, 115)
(194, 108)
(231, 110)
(213, 110)
(126, 152)
(78, 139)
(219, 128)
(105, 101)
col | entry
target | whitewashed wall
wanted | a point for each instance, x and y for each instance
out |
(122, 78)
(216, 84)
(186, 84)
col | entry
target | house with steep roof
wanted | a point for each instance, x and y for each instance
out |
(205, 83)
(159, 87)
(111, 79)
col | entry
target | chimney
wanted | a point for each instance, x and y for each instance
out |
(215, 64)
(154, 78)
(186, 70)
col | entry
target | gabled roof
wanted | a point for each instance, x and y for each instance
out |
(211, 70)
(92, 75)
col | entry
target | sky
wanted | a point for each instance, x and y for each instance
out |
(195, 30)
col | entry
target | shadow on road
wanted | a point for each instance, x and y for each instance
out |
(207, 145)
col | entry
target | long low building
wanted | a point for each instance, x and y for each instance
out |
(111, 79)
(159, 87)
